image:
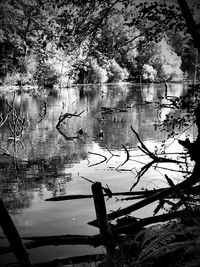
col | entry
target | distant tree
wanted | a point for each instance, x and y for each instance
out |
(125, 30)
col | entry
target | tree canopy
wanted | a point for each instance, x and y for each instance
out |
(130, 32)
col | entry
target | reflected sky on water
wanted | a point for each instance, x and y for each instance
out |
(51, 162)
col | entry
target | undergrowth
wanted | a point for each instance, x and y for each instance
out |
(176, 244)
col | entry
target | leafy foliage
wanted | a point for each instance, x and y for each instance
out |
(106, 30)
(45, 75)
(116, 73)
(183, 112)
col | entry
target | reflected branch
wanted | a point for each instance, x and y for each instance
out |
(127, 155)
(112, 155)
(155, 159)
(97, 154)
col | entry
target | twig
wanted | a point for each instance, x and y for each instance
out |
(67, 115)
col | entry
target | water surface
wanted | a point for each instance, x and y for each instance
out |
(51, 162)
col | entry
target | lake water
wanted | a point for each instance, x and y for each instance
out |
(50, 163)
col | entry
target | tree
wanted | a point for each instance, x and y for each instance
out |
(119, 30)
(26, 28)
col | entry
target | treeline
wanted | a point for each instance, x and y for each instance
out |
(57, 42)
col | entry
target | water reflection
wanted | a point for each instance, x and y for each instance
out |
(44, 153)
(48, 165)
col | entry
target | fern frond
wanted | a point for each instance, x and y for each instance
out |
(153, 243)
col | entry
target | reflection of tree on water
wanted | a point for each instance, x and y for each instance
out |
(116, 124)
(18, 187)
(140, 104)
(46, 154)
(89, 91)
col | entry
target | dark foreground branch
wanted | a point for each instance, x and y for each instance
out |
(39, 241)
(135, 194)
(181, 187)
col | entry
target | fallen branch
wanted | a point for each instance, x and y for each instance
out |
(183, 186)
(67, 115)
(155, 159)
(136, 226)
(70, 197)
(136, 194)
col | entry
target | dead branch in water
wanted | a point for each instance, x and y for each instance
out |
(67, 115)
(61, 119)
(133, 195)
(155, 159)
(181, 187)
